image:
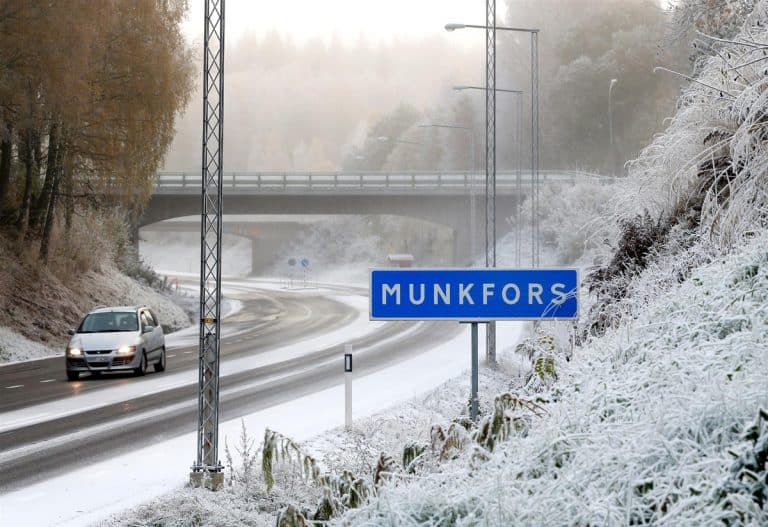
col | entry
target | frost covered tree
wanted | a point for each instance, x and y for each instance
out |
(696, 20)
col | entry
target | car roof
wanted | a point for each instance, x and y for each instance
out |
(116, 309)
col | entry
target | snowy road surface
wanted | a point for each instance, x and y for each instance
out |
(282, 349)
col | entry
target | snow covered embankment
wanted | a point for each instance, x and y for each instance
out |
(641, 422)
(112, 287)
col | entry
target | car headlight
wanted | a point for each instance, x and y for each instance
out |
(126, 350)
(74, 352)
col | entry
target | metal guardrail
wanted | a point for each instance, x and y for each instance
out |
(365, 182)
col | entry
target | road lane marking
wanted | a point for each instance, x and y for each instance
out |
(14, 386)
(171, 355)
(187, 352)
(48, 380)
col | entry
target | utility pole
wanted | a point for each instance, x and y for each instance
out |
(518, 181)
(207, 470)
(535, 231)
(490, 161)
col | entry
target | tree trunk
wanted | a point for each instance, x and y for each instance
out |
(29, 164)
(50, 215)
(69, 201)
(5, 163)
(39, 206)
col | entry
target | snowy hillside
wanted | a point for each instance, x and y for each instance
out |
(643, 425)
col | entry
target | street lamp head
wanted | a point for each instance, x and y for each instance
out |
(614, 81)
(460, 88)
(452, 27)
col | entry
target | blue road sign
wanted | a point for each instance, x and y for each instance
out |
(474, 294)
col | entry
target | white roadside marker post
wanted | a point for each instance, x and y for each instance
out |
(348, 386)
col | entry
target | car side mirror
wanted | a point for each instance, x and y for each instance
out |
(70, 332)
(148, 329)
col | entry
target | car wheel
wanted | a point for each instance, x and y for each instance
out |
(160, 365)
(73, 375)
(142, 369)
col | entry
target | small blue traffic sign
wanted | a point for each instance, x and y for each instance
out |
(474, 294)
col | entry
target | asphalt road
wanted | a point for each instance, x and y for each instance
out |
(268, 320)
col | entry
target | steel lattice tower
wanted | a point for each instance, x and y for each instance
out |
(490, 159)
(207, 469)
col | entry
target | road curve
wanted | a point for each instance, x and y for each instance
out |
(268, 320)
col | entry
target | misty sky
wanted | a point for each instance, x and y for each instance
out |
(348, 19)
(307, 78)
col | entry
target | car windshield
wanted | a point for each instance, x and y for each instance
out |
(109, 322)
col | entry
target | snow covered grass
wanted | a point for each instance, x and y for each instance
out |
(640, 423)
(245, 501)
(15, 347)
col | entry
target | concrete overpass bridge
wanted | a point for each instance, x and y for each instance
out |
(443, 198)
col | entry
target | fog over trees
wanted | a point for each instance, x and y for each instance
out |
(302, 106)
(332, 105)
(583, 47)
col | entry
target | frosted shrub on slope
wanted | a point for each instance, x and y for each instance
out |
(715, 145)
(640, 424)
(571, 224)
(701, 188)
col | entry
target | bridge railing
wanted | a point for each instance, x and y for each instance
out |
(373, 181)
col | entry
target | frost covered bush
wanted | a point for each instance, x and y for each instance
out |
(641, 425)
(714, 150)
(701, 188)
(570, 218)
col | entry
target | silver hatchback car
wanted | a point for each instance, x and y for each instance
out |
(116, 339)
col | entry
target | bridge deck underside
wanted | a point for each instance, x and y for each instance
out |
(452, 211)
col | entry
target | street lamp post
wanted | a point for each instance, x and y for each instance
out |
(472, 212)
(535, 238)
(490, 28)
(610, 122)
(518, 164)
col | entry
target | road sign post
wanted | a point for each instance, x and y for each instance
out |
(348, 386)
(474, 296)
(475, 382)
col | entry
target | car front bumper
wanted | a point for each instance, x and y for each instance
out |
(98, 363)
